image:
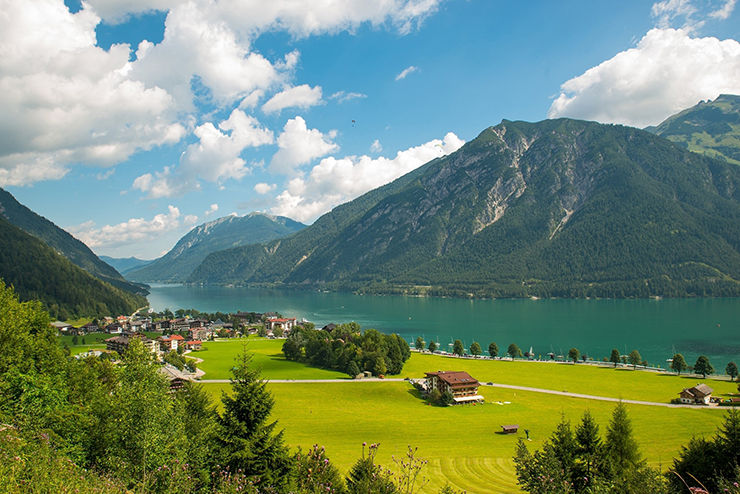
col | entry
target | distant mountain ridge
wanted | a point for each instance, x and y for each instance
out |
(64, 243)
(124, 265)
(556, 208)
(222, 233)
(711, 128)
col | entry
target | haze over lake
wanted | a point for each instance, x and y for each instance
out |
(693, 327)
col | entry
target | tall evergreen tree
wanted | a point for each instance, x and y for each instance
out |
(246, 441)
(621, 448)
(589, 452)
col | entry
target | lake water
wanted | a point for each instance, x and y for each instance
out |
(693, 327)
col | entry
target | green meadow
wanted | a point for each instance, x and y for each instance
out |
(462, 443)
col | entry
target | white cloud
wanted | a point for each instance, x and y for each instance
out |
(666, 11)
(343, 97)
(214, 158)
(263, 188)
(666, 72)
(334, 181)
(131, 231)
(376, 147)
(299, 145)
(724, 12)
(211, 210)
(303, 97)
(408, 70)
(67, 101)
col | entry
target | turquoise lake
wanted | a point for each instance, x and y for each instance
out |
(693, 327)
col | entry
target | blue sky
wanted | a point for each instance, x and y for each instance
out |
(129, 122)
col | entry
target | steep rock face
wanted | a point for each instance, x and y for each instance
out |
(223, 233)
(551, 208)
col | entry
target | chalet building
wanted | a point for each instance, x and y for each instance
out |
(62, 326)
(286, 324)
(170, 343)
(89, 328)
(329, 327)
(181, 324)
(199, 323)
(194, 345)
(701, 394)
(199, 333)
(463, 387)
(175, 377)
(119, 344)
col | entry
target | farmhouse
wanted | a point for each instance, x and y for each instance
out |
(700, 394)
(463, 386)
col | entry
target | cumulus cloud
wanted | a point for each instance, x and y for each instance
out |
(343, 97)
(666, 72)
(211, 210)
(303, 97)
(67, 101)
(299, 145)
(334, 181)
(131, 231)
(405, 72)
(264, 188)
(214, 158)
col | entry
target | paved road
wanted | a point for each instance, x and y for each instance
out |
(491, 385)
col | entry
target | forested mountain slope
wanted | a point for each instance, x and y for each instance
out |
(223, 233)
(62, 242)
(556, 208)
(37, 272)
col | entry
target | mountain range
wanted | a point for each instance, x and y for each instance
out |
(223, 233)
(556, 208)
(124, 265)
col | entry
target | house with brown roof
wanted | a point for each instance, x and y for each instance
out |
(700, 394)
(120, 344)
(463, 386)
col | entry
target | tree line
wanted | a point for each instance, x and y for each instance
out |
(581, 460)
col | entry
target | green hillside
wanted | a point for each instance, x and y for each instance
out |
(557, 208)
(711, 128)
(62, 242)
(37, 272)
(223, 233)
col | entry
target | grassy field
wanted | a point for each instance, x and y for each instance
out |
(218, 358)
(461, 443)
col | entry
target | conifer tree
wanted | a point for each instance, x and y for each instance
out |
(246, 441)
(622, 450)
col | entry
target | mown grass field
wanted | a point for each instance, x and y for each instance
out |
(461, 443)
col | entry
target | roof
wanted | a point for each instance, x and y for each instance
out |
(282, 319)
(699, 391)
(194, 342)
(176, 337)
(455, 378)
(60, 324)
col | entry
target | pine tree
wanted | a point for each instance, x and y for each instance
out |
(589, 451)
(247, 442)
(621, 448)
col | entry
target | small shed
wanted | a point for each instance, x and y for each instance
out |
(510, 429)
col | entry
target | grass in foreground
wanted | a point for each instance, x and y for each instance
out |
(461, 442)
